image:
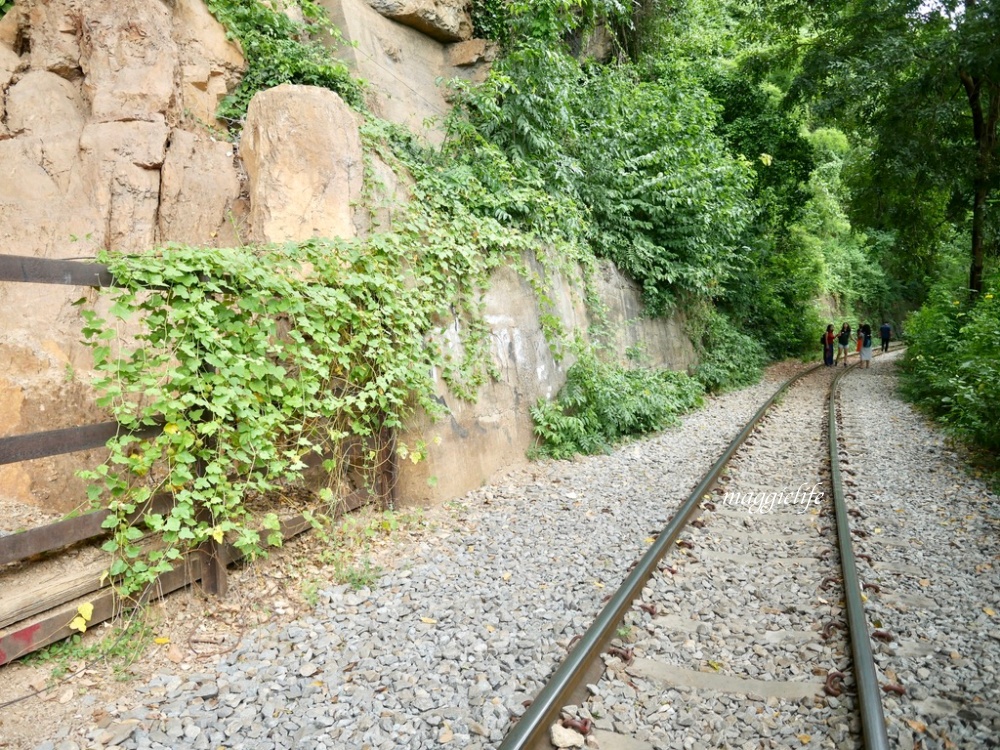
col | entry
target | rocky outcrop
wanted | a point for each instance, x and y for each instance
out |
(199, 192)
(403, 67)
(302, 152)
(108, 139)
(444, 20)
(210, 64)
(479, 439)
(471, 52)
(129, 59)
(98, 149)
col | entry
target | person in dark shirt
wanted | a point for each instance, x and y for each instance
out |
(843, 339)
(886, 333)
(828, 338)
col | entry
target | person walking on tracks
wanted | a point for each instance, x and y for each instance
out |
(865, 337)
(885, 333)
(843, 339)
(827, 340)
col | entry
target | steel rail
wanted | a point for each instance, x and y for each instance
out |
(873, 731)
(530, 729)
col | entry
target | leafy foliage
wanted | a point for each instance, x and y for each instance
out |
(5, 6)
(253, 365)
(280, 50)
(912, 78)
(602, 402)
(952, 365)
(513, 22)
(729, 357)
(652, 186)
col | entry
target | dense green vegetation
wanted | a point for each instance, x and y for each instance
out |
(602, 403)
(953, 362)
(280, 50)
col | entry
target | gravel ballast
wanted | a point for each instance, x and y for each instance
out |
(464, 625)
(472, 615)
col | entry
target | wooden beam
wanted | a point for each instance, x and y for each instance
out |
(67, 440)
(61, 534)
(58, 585)
(49, 271)
(25, 637)
(54, 625)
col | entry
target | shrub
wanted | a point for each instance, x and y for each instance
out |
(601, 403)
(952, 367)
(730, 358)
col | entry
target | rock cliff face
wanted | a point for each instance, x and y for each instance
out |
(107, 140)
(101, 145)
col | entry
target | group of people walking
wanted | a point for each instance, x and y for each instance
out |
(862, 339)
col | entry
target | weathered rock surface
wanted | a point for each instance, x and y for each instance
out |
(129, 59)
(55, 31)
(119, 168)
(91, 92)
(482, 438)
(444, 20)
(199, 191)
(402, 66)
(210, 64)
(48, 110)
(102, 145)
(471, 52)
(302, 152)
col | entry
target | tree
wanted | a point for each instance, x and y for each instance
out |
(921, 79)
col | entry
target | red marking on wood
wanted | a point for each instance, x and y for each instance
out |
(27, 635)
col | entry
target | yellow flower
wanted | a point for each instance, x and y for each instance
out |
(989, 296)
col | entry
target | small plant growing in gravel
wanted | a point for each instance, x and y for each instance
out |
(118, 645)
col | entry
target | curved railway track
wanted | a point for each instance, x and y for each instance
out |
(751, 591)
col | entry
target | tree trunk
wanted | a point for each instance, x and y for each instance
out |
(978, 222)
(984, 130)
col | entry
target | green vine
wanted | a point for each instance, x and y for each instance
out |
(281, 50)
(255, 358)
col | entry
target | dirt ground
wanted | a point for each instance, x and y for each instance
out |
(54, 697)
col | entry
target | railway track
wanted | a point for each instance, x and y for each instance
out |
(743, 625)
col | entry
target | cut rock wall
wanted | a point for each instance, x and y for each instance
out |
(107, 141)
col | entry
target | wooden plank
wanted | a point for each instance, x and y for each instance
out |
(54, 625)
(25, 637)
(51, 537)
(61, 534)
(67, 440)
(57, 586)
(50, 271)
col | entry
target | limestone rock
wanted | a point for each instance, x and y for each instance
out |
(401, 65)
(198, 191)
(12, 26)
(9, 62)
(471, 52)
(129, 59)
(51, 110)
(119, 169)
(302, 153)
(445, 20)
(210, 64)
(563, 737)
(54, 30)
